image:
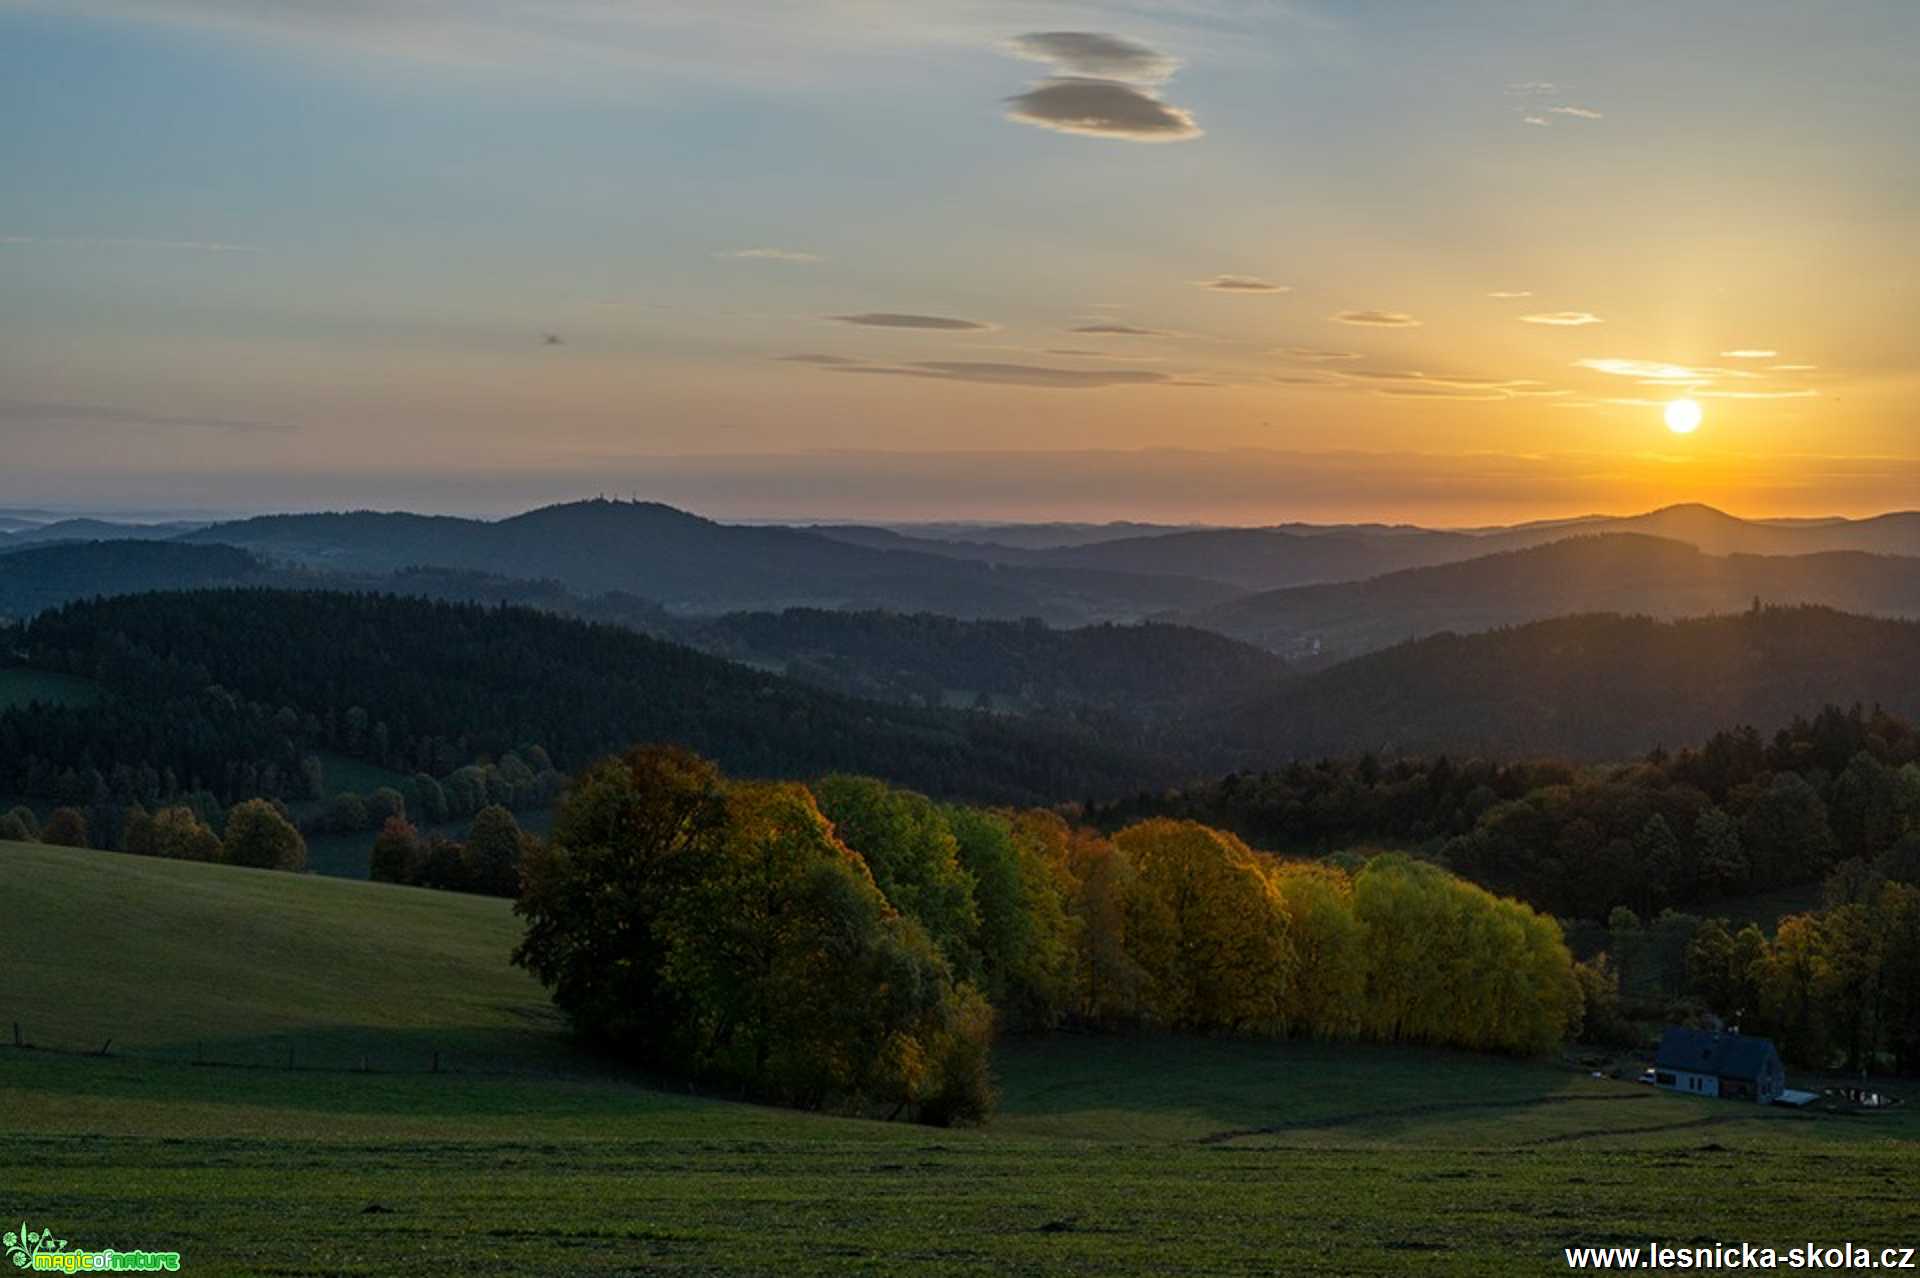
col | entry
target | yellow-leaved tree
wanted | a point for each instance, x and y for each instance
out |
(1227, 963)
(1330, 957)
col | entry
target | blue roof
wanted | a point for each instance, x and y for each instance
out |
(1723, 1055)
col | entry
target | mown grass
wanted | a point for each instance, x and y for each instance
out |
(1111, 1155)
(179, 960)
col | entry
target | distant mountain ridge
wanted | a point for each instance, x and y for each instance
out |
(1605, 572)
(1591, 687)
(697, 565)
(1302, 554)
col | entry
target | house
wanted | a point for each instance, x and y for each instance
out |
(1733, 1066)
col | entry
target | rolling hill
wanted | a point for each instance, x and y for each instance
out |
(1139, 672)
(1591, 687)
(42, 576)
(696, 565)
(360, 1159)
(224, 685)
(89, 529)
(1304, 554)
(1614, 572)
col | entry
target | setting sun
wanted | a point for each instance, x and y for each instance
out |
(1683, 416)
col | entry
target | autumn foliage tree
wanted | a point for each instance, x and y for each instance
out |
(1220, 956)
(724, 930)
(855, 945)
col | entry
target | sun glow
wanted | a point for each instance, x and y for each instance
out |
(1683, 417)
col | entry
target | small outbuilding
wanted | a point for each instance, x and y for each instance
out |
(1733, 1066)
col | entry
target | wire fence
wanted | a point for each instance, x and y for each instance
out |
(369, 1053)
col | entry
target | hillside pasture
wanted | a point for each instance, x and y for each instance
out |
(1111, 1155)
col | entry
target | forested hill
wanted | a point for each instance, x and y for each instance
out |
(1624, 572)
(696, 565)
(40, 577)
(37, 577)
(1587, 687)
(225, 686)
(1136, 672)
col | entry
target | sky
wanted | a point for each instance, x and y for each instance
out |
(1205, 260)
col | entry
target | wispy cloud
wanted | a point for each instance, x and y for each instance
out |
(1748, 352)
(24, 412)
(1082, 352)
(1094, 53)
(1530, 88)
(1032, 375)
(1538, 121)
(1441, 392)
(1563, 319)
(1103, 86)
(1377, 319)
(1577, 112)
(773, 255)
(1412, 384)
(1316, 354)
(897, 319)
(1510, 294)
(94, 241)
(1654, 372)
(825, 361)
(1118, 330)
(1243, 284)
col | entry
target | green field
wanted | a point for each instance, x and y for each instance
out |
(20, 686)
(1111, 1155)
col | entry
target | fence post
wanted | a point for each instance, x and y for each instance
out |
(104, 1046)
(16, 1033)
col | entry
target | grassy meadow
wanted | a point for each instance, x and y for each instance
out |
(22, 686)
(1110, 1155)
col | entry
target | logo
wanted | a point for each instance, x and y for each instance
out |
(24, 1245)
(40, 1251)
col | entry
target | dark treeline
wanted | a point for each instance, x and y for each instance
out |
(229, 690)
(1739, 814)
(258, 833)
(1839, 986)
(1135, 672)
(1836, 987)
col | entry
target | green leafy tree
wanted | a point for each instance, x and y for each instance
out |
(914, 858)
(384, 803)
(257, 835)
(179, 834)
(1023, 939)
(494, 844)
(1723, 862)
(346, 813)
(626, 839)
